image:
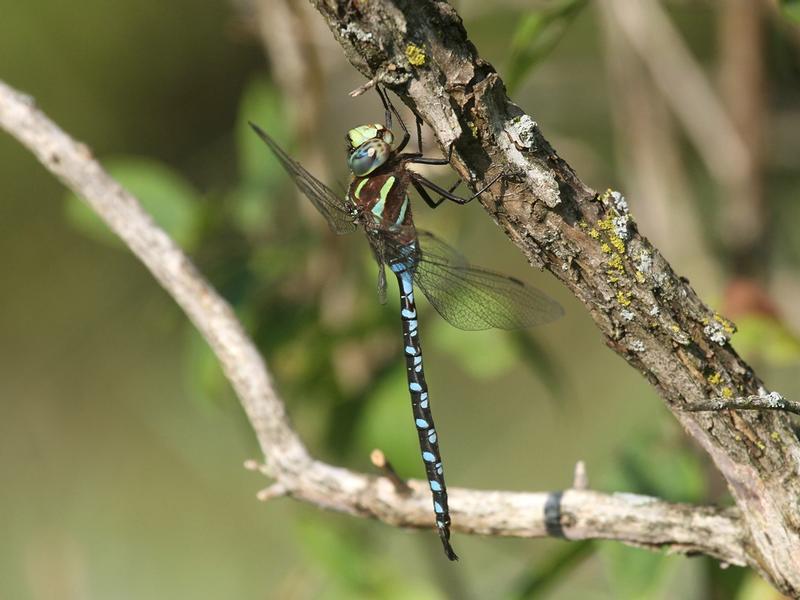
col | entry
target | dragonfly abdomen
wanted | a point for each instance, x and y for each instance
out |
(420, 405)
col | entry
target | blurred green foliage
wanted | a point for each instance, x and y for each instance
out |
(791, 8)
(536, 35)
(119, 469)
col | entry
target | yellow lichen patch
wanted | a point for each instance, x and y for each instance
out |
(675, 328)
(624, 298)
(775, 437)
(761, 445)
(726, 325)
(605, 248)
(583, 225)
(616, 262)
(415, 55)
(639, 276)
(714, 379)
(613, 279)
(727, 393)
(473, 128)
(594, 234)
(618, 244)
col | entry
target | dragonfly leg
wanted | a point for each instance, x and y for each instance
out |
(419, 134)
(389, 109)
(424, 160)
(427, 197)
(416, 178)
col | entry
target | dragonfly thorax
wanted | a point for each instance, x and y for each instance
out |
(369, 147)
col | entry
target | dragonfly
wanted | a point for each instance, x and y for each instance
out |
(468, 297)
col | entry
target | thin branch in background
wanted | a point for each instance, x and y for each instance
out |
(646, 140)
(684, 85)
(580, 514)
(742, 85)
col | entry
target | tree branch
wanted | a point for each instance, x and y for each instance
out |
(648, 314)
(572, 514)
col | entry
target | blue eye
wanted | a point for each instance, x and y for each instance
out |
(368, 156)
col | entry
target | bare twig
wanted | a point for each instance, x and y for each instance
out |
(378, 458)
(580, 478)
(276, 490)
(574, 514)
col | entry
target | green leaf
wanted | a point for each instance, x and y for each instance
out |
(537, 35)
(261, 104)
(767, 338)
(260, 173)
(635, 573)
(649, 465)
(163, 192)
(338, 552)
(791, 8)
(556, 567)
(483, 354)
(354, 569)
(203, 375)
(541, 361)
(388, 406)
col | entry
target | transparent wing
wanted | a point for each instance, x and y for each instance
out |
(472, 298)
(337, 210)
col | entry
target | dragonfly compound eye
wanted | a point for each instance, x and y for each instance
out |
(368, 156)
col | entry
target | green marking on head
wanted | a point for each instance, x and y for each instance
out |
(364, 133)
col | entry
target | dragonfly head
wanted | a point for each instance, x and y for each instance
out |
(368, 147)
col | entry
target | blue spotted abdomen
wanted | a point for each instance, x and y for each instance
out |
(420, 404)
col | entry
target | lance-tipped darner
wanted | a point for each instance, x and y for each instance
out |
(469, 298)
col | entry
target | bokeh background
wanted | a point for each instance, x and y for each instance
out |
(121, 445)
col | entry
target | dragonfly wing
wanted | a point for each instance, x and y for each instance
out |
(473, 298)
(337, 210)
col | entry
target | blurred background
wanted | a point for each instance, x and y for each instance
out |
(121, 445)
